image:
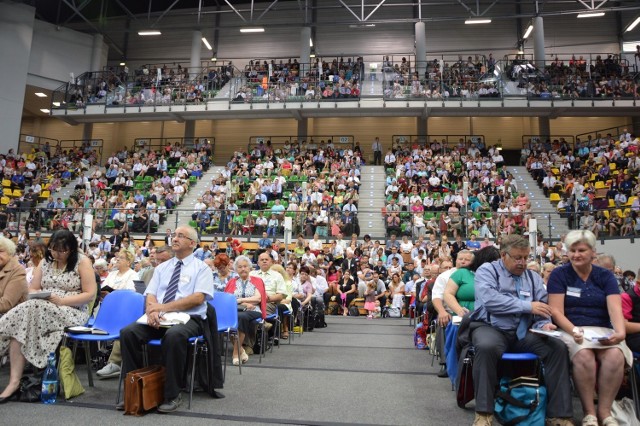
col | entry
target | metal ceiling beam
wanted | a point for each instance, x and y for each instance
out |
(164, 13)
(126, 10)
(374, 10)
(477, 12)
(235, 10)
(82, 6)
(96, 29)
(349, 9)
(273, 3)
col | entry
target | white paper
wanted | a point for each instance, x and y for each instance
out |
(168, 319)
(593, 336)
(551, 333)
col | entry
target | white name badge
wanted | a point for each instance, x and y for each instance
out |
(574, 291)
(525, 294)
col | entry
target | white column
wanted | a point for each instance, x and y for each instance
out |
(196, 46)
(305, 50)
(16, 35)
(421, 49)
(96, 53)
(538, 41)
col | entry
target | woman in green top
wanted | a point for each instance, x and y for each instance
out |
(459, 294)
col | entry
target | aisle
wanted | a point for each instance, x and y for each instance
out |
(355, 371)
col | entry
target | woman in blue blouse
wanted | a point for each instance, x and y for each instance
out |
(586, 304)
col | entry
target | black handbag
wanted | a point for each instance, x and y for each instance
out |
(30, 388)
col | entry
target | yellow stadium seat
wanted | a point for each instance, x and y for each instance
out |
(612, 204)
(45, 195)
(606, 213)
(17, 193)
(600, 185)
(631, 200)
(6, 182)
(4, 200)
(554, 197)
(7, 192)
(612, 166)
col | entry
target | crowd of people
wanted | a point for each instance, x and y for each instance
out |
(595, 182)
(316, 184)
(279, 81)
(426, 199)
(474, 78)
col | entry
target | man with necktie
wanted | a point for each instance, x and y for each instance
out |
(510, 300)
(377, 152)
(181, 284)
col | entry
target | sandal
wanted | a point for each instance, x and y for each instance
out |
(236, 361)
(590, 420)
(610, 421)
(244, 357)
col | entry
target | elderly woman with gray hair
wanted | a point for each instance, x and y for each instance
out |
(587, 307)
(252, 303)
(13, 282)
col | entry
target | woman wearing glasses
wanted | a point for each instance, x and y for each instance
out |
(33, 329)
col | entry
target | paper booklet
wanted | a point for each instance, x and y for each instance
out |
(168, 319)
(551, 333)
(80, 329)
(39, 295)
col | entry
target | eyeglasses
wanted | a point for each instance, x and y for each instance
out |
(183, 236)
(519, 259)
(59, 251)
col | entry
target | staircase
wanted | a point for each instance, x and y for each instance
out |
(182, 216)
(550, 223)
(67, 190)
(372, 200)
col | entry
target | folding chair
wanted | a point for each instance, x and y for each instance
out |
(119, 309)
(227, 314)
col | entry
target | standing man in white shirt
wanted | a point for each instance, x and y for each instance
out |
(376, 147)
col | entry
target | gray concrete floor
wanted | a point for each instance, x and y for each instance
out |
(356, 371)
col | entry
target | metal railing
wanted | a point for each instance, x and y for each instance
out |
(309, 142)
(446, 142)
(530, 141)
(163, 145)
(590, 138)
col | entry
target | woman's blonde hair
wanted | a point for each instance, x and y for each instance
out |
(279, 269)
(130, 257)
(7, 245)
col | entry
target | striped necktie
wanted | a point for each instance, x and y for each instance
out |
(172, 288)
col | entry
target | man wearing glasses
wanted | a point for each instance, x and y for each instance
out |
(509, 301)
(181, 284)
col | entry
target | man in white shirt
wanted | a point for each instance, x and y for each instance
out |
(389, 159)
(376, 147)
(273, 282)
(465, 257)
(320, 287)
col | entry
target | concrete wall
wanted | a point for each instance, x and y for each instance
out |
(625, 253)
(56, 52)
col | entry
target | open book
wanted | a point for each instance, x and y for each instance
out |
(168, 319)
(80, 329)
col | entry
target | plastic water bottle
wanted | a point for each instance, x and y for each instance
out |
(50, 381)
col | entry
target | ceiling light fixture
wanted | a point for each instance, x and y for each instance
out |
(40, 95)
(122, 64)
(206, 43)
(590, 15)
(56, 104)
(149, 32)
(214, 59)
(471, 21)
(46, 111)
(633, 24)
(252, 30)
(310, 43)
(528, 32)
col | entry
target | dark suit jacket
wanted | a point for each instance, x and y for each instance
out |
(353, 268)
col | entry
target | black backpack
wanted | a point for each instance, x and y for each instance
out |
(319, 321)
(308, 320)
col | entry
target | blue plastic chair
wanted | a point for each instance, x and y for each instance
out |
(226, 308)
(119, 309)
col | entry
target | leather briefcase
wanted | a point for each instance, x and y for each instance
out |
(144, 390)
